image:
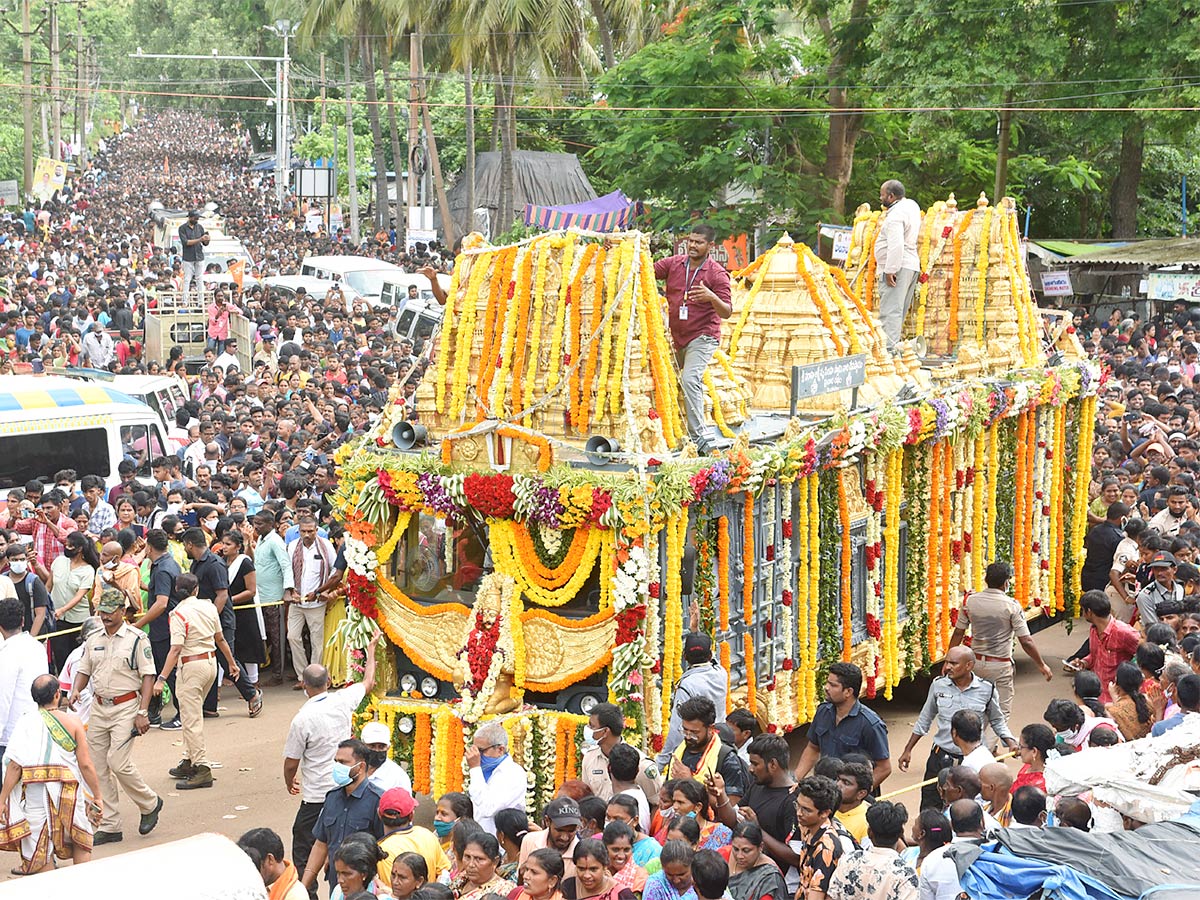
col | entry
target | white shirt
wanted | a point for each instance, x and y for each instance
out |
(66, 678)
(391, 774)
(310, 573)
(225, 360)
(978, 758)
(321, 724)
(1165, 523)
(22, 659)
(504, 790)
(896, 246)
(939, 876)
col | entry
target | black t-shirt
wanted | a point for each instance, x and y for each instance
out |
(163, 573)
(32, 594)
(1101, 543)
(775, 808)
(213, 576)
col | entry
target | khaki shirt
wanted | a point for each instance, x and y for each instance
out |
(593, 770)
(994, 619)
(193, 624)
(116, 664)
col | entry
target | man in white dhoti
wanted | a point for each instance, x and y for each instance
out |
(44, 810)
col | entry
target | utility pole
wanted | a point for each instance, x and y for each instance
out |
(27, 90)
(55, 76)
(80, 87)
(414, 130)
(322, 90)
(351, 173)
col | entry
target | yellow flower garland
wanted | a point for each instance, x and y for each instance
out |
(979, 489)
(466, 331)
(993, 471)
(831, 285)
(813, 600)
(535, 324)
(751, 673)
(800, 601)
(500, 385)
(624, 334)
(672, 658)
(718, 413)
(981, 267)
(894, 497)
(384, 553)
(447, 342)
(507, 561)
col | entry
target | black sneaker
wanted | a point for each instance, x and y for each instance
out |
(107, 837)
(173, 725)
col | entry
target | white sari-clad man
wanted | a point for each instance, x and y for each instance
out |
(42, 796)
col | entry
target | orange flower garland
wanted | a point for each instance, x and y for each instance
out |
(723, 573)
(583, 552)
(1031, 511)
(819, 302)
(934, 535)
(560, 313)
(958, 236)
(560, 752)
(572, 756)
(545, 451)
(590, 345)
(751, 674)
(1020, 539)
(454, 781)
(606, 336)
(575, 345)
(494, 337)
(660, 368)
(422, 738)
(748, 559)
(846, 565)
(447, 341)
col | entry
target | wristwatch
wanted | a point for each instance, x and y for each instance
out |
(143, 712)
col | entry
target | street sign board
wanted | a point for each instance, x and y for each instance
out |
(830, 376)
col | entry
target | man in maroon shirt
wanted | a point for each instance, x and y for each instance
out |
(697, 289)
(1110, 642)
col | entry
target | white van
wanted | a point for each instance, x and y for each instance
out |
(285, 286)
(361, 277)
(49, 423)
(395, 290)
(162, 393)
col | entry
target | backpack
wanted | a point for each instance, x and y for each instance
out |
(50, 623)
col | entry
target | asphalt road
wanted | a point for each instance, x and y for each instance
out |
(249, 790)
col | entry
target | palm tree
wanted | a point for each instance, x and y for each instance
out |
(356, 21)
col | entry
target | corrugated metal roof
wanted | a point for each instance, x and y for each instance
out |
(1153, 254)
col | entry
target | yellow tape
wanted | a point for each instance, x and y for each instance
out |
(916, 787)
(43, 637)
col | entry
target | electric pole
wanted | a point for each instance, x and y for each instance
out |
(80, 102)
(27, 90)
(322, 90)
(350, 170)
(55, 75)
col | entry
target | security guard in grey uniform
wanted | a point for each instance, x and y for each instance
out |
(119, 665)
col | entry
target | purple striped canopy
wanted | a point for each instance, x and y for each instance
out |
(612, 212)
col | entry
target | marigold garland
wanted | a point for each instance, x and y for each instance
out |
(814, 591)
(723, 573)
(624, 333)
(1020, 495)
(672, 658)
(725, 664)
(981, 267)
(590, 345)
(512, 350)
(955, 270)
(422, 737)
(763, 265)
(448, 322)
(614, 264)
(560, 312)
(514, 555)
(978, 491)
(819, 302)
(462, 354)
(751, 673)
(718, 414)
(947, 525)
(891, 571)
(748, 559)
(846, 564)
(658, 354)
(843, 310)
(802, 597)
(494, 349)
(535, 327)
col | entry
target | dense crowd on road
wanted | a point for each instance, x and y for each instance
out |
(219, 577)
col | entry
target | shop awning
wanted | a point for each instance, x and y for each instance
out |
(612, 212)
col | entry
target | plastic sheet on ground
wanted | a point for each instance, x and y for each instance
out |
(1121, 776)
(997, 875)
(1130, 863)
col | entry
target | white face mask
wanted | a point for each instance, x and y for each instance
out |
(173, 508)
(211, 524)
(18, 567)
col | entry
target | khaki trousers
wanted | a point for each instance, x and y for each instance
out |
(108, 737)
(192, 684)
(1001, 675)
(298, 619)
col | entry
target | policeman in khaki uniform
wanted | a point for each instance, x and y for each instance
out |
(605, 724)
(119, 666)
(195, 636)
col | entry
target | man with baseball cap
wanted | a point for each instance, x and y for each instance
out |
(382, 772)
(703, 677)
(400, 835)
(1164, 587)
(560, 831)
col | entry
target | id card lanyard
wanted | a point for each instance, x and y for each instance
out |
(689, 278)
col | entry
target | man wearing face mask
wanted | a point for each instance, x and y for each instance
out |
(352, 806)
(605, 726)
(496, 781)
(382, 772)
(312, 743)
(29, 589)
(896, 257)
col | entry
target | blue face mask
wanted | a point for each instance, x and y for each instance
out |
(442, 829)
(341, 774)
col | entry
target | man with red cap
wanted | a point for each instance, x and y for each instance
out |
(400, 835)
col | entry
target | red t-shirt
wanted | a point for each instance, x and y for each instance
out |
(680, 275)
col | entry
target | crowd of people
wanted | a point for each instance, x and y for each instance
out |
(147, 595)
